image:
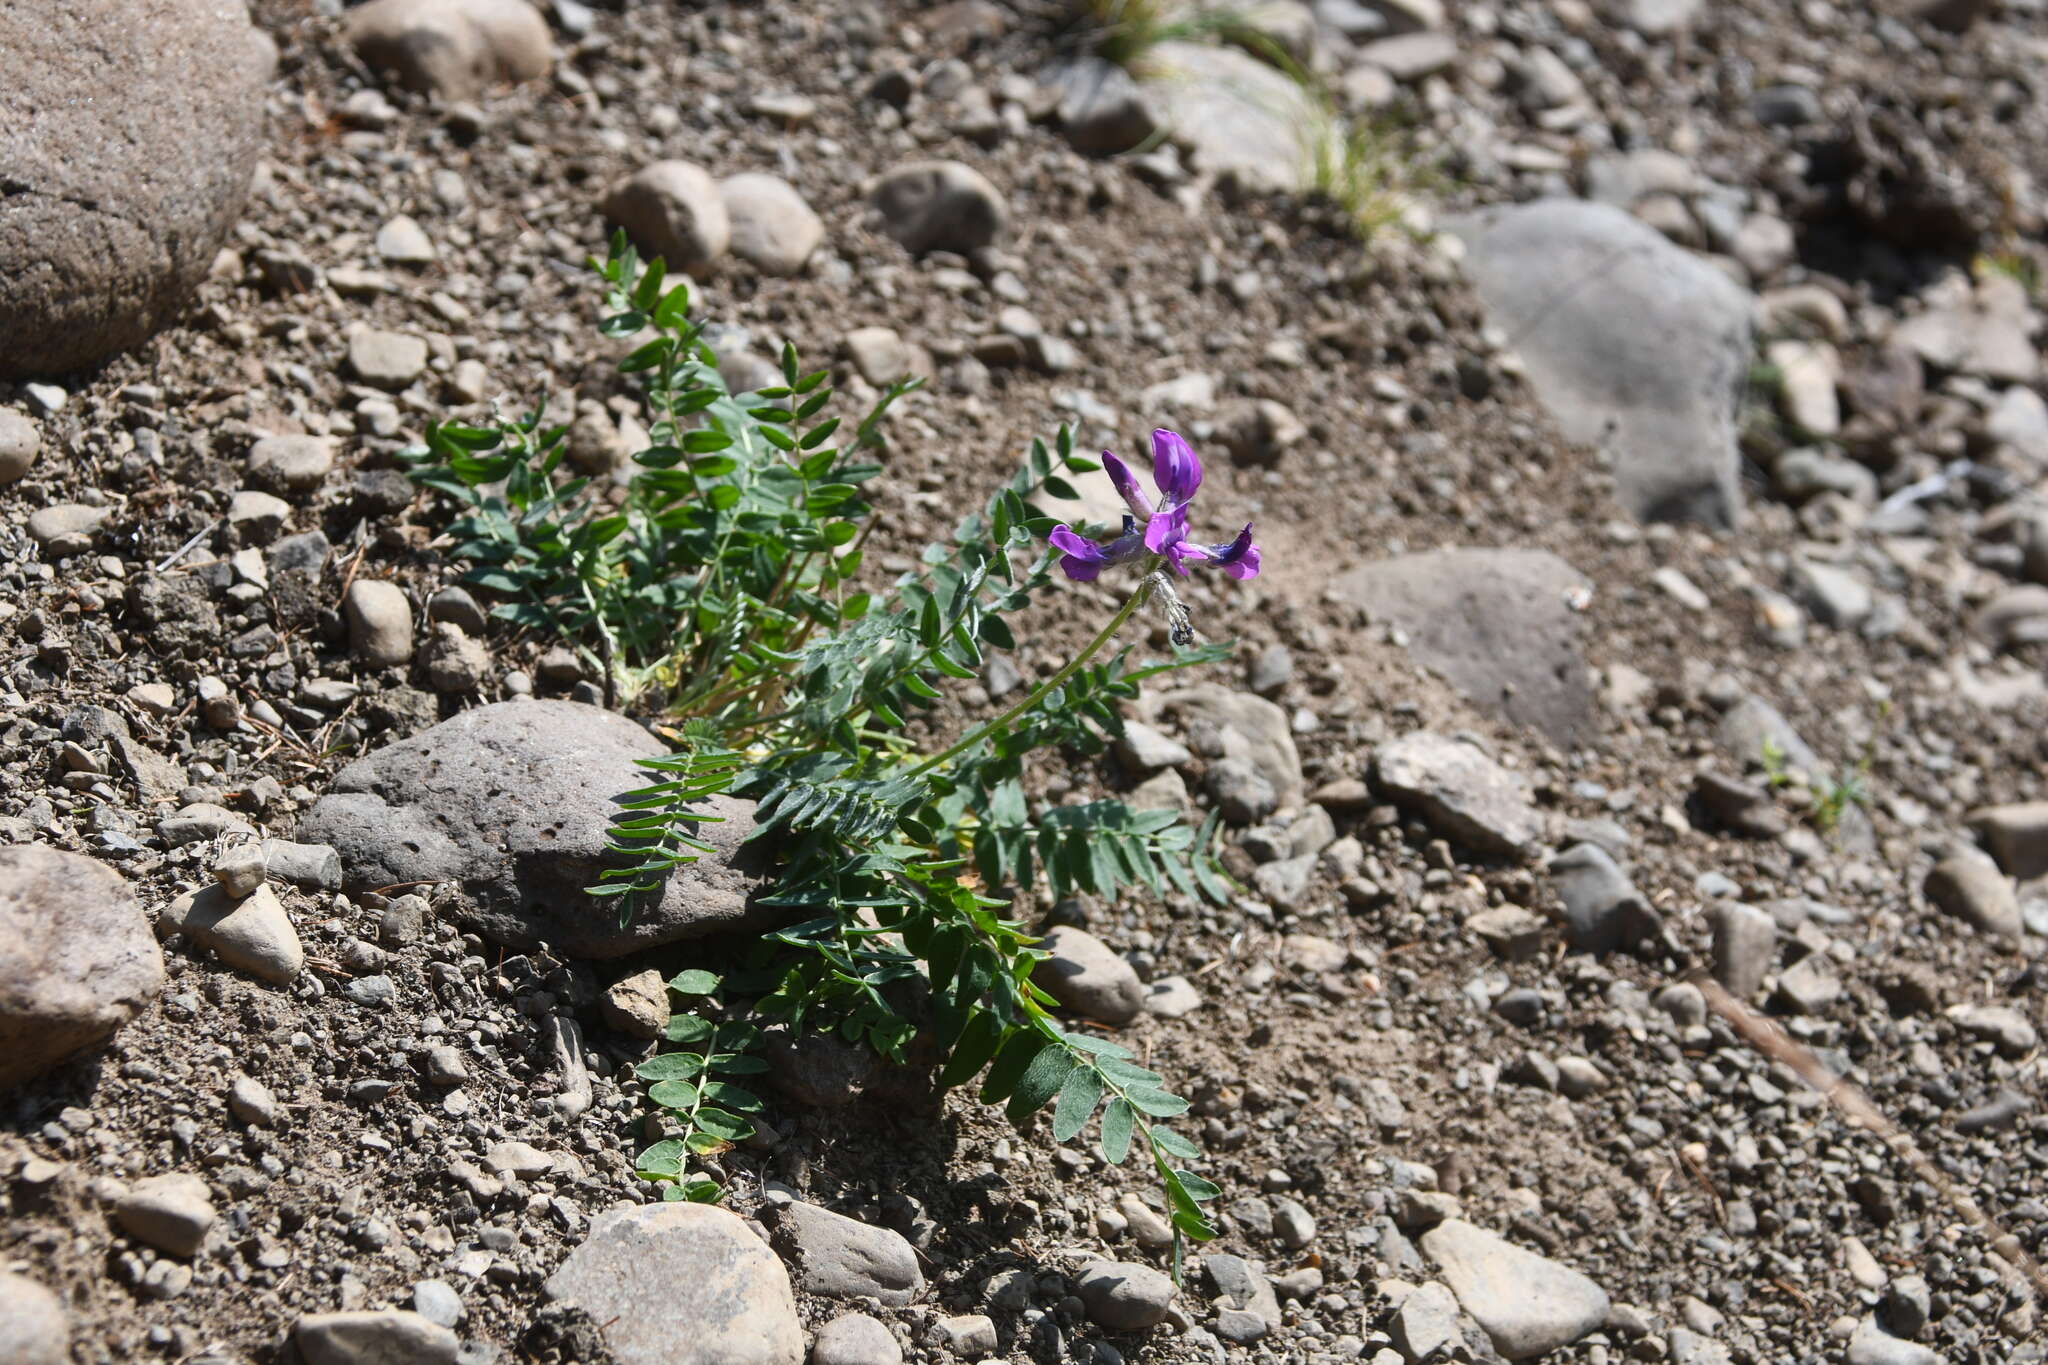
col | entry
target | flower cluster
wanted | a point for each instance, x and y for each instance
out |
(1160, 530)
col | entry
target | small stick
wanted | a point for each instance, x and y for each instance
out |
(186, 549)
(2022, 1272)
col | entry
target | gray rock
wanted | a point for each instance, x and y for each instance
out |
(2016, 836)
(1496, 623)
(879, 354)
(1240, 1284)
(1872, 1345)
(438, 1302)
(254, 933)
(379, 622)
(1102, 111)
(402, 241)
(773, 229)
(855, 1339)
(76, 958)
(20, 439)
(1241, 1328)
(940, 206)
(437, 807)
(172, 1213)
(1835, 596)
(252, 1102)
(458, 609)
(66, 529)
(673, 210)
(452, 49)
(258, 516)
(1908, 1306)
(1122, 1296)
(1293, 1224)
(387, 360)
(1238, 727)
(2001, 1025)
(842, 1258)
(290, 464)
(1632, 343)
(1086, 975)
(1426, 1324)
(969, 1336)
(1237, 117)
(1528, 1304)
(1753, 725)
(1968, 886)
(819, 1069)
(1690, 1348)
(452, 663)
(683, 1284)
(1809, 985)
(385, 1336)
(1602, 908)
(1172, 997)
(1240, 791)
(1984, 333)
(115, 208)
(310, 867)
(1143, 749)
(1462, 793)
(636, 1006)
(1654, 18)
(1409, 57)
(1745, 946)
(2019, 418)
(239, 871)
(34, 1328)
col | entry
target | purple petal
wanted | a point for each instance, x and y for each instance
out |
(1174, 468)
(1166, 528)
(1240, 558)
(1081, 558)
(1127, 485)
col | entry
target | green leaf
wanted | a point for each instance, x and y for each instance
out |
(673, 308)
(1117, 1124)
(694, 981)
(731, 1096)
(647, 293)
(1156, 1103)
(726, 1127)
(662, 1161)
(687, 1028)
(1078, 1098)
(673, 1094)
(979, 1040)
(1042, 1079)
(1173, 1144)
(670, 1066)
(700, 1190)
(1008, 1068)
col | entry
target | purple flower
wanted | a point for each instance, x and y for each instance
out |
(1177, 473)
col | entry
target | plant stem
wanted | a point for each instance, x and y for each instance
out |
(983, 731)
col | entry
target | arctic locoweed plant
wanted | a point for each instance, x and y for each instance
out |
(722, 589)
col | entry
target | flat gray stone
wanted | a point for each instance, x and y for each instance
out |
(20, 439)
(512, 800)
(254, 933)
(1872, 1345)
(172, 1213)
(1460, 792)
(1969, 886)
(1237, 116)
(683, 1284)
(1632, 343)
(1221, 723)
(1602, 908)
(387, 1336)
(940, 206)
(1497, 624)
(452, 49)
(77, 960)
(843, 1258)
(2016, 835)
(773, 229)
(1745, 946)
(290, 464)
(1528, 1304)
(1123, 1296)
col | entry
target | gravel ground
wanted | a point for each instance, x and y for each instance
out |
(1396, 1024)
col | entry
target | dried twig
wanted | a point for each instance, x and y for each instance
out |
(2021, 1272)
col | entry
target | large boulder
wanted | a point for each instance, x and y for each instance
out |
(512, 801)
(128, 133)
(1632, 343)
(77, 959)
(1497, 624)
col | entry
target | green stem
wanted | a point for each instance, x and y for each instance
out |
(981, 732)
